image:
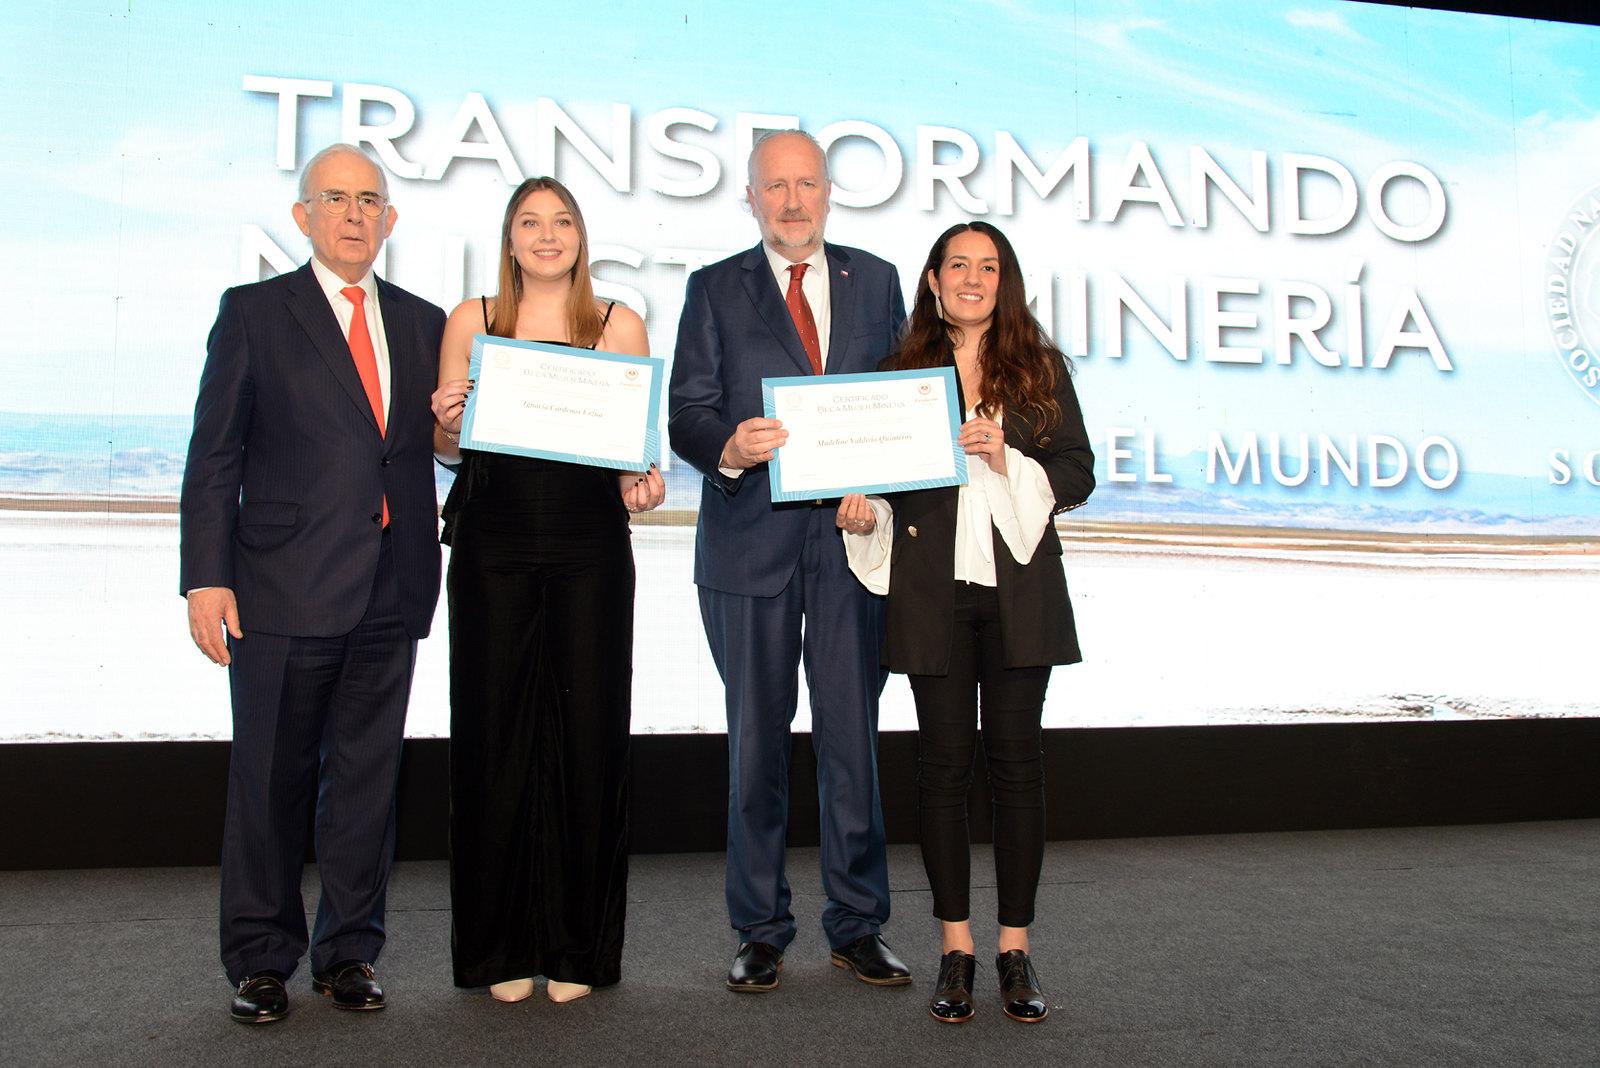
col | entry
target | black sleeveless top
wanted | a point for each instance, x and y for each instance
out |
(525, 496)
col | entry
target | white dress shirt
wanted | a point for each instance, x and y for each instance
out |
(344, 311)
(1017, 504)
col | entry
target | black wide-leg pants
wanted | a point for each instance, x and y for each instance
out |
(541, 678)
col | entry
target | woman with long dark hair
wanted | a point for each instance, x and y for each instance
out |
(977, 600)
(540, 592)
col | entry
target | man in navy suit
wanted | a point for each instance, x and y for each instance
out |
(774, 585)
(310, 560)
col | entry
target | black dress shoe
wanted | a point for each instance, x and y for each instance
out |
(755, 968)
(1019, 987)
(260, 999)
(351, 985)
(872, 962)
(953, 1002)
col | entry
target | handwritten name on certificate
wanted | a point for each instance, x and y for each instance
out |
(872, 433)
(580, 406)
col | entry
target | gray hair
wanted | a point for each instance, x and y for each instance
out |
(768, 135)
(306, 192)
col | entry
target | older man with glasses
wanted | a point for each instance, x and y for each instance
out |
(310, 560)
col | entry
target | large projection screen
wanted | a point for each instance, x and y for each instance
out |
(1325, 270)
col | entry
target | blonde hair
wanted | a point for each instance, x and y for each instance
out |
(583, 318)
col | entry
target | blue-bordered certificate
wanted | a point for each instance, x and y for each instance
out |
(872, 433)
(532, 398)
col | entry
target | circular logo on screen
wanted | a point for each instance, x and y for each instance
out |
(1572, 292)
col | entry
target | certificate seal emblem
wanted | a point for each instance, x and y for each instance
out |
(1572, 292)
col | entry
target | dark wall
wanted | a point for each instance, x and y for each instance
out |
(111, 804)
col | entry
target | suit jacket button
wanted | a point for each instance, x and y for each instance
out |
(383, 462)
(377, 517)
(1044, 443)
(911, 531)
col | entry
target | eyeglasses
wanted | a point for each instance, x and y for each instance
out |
(337, 202)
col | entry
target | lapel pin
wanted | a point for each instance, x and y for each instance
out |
(843, 273)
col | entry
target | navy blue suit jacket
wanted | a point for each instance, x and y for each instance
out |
(287, 472)
(734, 331)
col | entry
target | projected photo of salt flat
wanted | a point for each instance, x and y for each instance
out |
(561, 403)
(867, 433)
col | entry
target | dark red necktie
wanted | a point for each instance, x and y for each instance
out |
(366, 358)
(804, 322)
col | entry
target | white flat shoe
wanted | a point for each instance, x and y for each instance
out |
(511, 990)
(561, 993)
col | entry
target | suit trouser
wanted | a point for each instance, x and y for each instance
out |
(1012, 702)
(315, 720)
(827, 618)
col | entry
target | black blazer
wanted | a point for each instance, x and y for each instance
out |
(1036, 625)
(287, 472)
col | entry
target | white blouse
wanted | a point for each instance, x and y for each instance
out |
(1018, 504)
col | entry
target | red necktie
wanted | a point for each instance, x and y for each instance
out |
(366, 358)
(804, 322)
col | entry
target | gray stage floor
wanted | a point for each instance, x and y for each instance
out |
(1452, 945)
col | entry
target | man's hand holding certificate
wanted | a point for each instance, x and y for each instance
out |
(866, 433)
(553, 401)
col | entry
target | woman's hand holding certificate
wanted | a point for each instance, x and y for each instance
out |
(530, 398)
(984, 438)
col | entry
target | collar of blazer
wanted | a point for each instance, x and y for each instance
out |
(762, 289)
(309, 306)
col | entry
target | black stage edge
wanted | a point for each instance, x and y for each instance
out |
(137, 804)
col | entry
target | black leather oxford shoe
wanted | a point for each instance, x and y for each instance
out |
(351, 985)
(260, 999)
(871, 960)
(953, 1001)
(1019, 987)
(755, 968)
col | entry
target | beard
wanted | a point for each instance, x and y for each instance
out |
(781, 236)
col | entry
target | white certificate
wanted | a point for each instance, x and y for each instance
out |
(531, 398)
(884, 432)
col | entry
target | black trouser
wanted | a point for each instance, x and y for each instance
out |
(947, 713)
(316, 722)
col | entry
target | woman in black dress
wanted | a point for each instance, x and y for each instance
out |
(977, 601)
(540, 592)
